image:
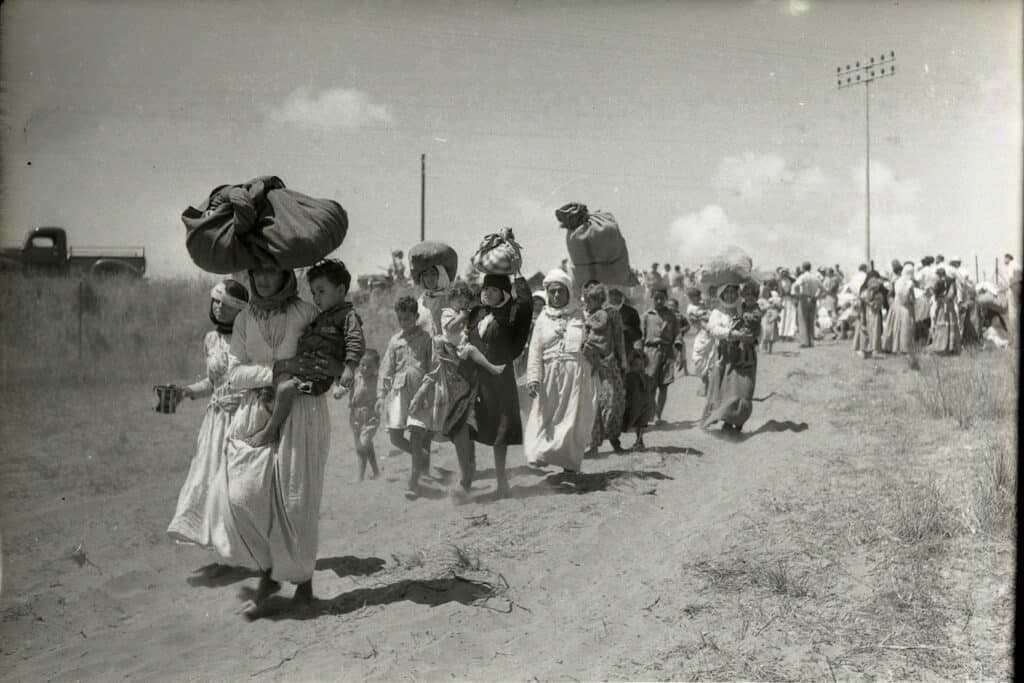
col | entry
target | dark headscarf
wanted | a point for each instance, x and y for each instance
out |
(264, 306)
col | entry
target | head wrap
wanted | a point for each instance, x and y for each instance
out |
(735, 304)
(498, 282)
(219, 292)
(557, 276)
(443, 282)
(540, 294)
(264, 306)
(907, 271)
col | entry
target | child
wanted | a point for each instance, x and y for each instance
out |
(453, 319)
(362, 414)
(597, 344)
(445, 396)
(770, 325)
(824, 322)
(337, 332)
(405, 365)
(702, 342)
(684, 327)
(453, 327)
(639, 397)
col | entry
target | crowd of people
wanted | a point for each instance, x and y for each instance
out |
(560, 371)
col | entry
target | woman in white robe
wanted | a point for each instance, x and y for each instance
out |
(561, 381)
(192, 517)
(271, 494)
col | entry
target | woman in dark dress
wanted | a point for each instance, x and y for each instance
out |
(499, 328)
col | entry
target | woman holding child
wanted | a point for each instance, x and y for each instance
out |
(193, 520)
(271, 494)
(498, 328)
(733, 371)
(561, 380)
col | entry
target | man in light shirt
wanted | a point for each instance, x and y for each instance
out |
(807, 289)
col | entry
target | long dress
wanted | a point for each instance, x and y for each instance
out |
(611, 393)
(868, 338)
(496, 407)
(790, 312)
(945, 323)
(561, 419)
(733, 375)
(270, 495)
(192, 517)
(898, 331)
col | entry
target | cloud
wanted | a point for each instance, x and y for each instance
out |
(748, 176)
(887, 189)
(752, 175)
(334, 108)
(808, 181)
(795, 8)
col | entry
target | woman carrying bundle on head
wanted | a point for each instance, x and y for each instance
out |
(192, 522)
(733, 372)
(273, 492)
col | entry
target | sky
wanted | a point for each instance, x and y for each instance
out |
(695, 123)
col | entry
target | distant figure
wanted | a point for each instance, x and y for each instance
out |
(1013, 298)
(397, 268)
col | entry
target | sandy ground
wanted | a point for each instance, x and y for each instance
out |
(764, 557)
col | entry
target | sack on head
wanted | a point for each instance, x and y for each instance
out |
(428, 254)
(261, 223)
(731, 265)
(499, 254)
(597, 249)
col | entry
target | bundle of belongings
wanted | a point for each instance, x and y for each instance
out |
(499, 254)
(261, 223)
(427, 255)
(729, 266)
(596, 247)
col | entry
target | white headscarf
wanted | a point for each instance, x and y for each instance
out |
(559, 277)
(735, 305)
(220, 292)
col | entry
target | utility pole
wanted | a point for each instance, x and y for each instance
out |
(863, 73)
(423, 197)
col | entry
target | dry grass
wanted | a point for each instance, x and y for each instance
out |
(56, 330)
(993, 506)
(923, 513)
(967, 389)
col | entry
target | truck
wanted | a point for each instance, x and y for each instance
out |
(46, 251)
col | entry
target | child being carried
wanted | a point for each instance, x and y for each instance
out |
(337, 333)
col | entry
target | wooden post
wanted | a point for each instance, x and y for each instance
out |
(977, 276)
(81, 307)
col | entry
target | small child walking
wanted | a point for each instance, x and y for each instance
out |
(770, 326)
(405, 364)
(337, 333)
(639, 398)
(362, 412)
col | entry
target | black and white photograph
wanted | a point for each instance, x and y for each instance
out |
(479, 340)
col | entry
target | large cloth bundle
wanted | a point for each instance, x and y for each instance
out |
(731, 265)
(499, 254)
(427, 255)
(596, 247)
(262, 223)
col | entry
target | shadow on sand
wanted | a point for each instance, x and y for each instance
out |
(219, 575)
(349, 565)
(578, 483)
(430, 592)
(768, 427)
